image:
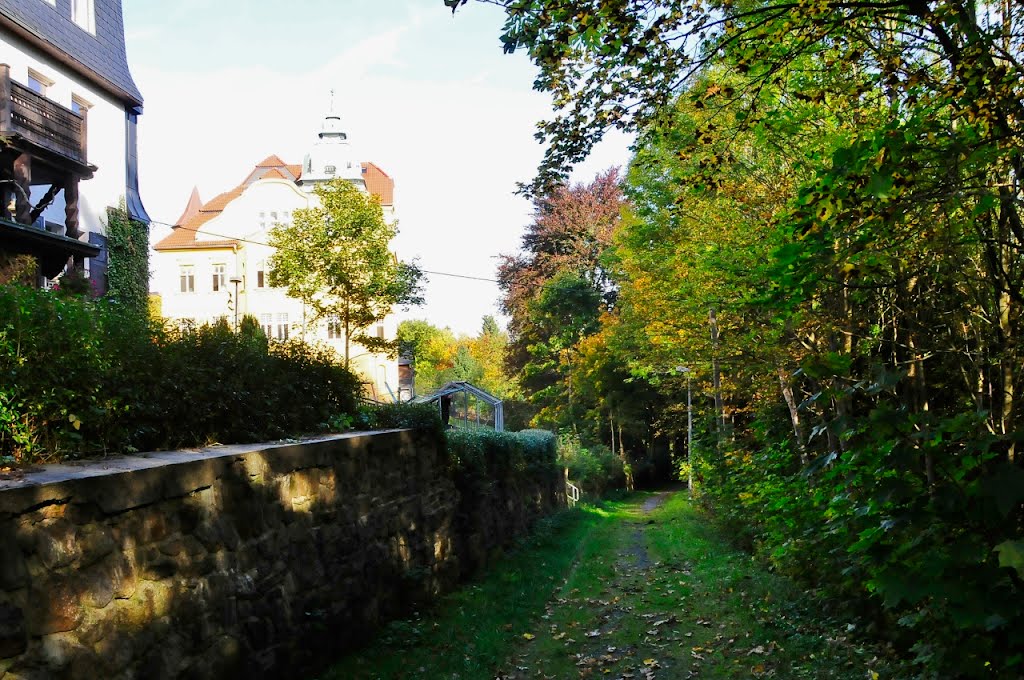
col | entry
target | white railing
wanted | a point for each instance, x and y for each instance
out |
(572, 493)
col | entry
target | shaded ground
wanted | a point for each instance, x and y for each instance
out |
(668, 598)
(638, 589)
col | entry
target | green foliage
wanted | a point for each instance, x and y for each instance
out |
(128, 261)
(335, 257)
(594, 469)
(390, 416)
(438, 357)
(82, 377)
(827, 230)
(481, 458)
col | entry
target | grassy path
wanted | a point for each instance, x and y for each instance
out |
(639, 588)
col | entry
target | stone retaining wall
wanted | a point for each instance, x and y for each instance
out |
(234, 561)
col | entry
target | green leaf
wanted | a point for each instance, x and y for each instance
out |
(1005, 485)
(1011, 554)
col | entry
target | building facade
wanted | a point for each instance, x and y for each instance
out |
(68, 114)
(214, 264)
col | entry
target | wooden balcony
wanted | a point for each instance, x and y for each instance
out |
(33, 118)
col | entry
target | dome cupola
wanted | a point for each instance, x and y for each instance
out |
(332, 155)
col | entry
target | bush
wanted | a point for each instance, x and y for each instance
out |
(81, 377)
(594, 469)
(479, 457)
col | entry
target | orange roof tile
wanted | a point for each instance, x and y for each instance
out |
(183, 235)
(274, 173)
(379, 184)
(271, 161)
(193, 207)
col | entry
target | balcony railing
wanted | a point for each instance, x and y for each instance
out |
(39, 120)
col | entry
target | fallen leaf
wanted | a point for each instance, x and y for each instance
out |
(529, 636)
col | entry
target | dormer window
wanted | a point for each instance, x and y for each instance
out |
(329, 169)
(83, 13)
(38, 83)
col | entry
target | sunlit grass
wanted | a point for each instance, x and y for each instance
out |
(612, 590)
(471, 632)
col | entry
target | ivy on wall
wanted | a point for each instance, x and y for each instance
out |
(128, 264)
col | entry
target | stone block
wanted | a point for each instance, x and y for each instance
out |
(55, 607)
(13, 631)
(57, 543)
(13, 570)
(96, 542)
(60, 650)
(96, 585)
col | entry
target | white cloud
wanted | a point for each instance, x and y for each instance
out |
(456, 147)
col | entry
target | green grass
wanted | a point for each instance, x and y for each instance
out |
(471, 632)
(612, 591)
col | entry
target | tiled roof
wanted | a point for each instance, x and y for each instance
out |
(193, 207)
(184, 234)
(271, 161)
(379, 184)
(274, 173)
(100, 57)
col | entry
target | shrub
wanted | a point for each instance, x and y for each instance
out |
(81, 377)
(594, 469)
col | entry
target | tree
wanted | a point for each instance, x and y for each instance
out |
(335, 257)
(555, 290)
(829, 229)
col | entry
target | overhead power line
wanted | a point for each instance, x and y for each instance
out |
(261, 243)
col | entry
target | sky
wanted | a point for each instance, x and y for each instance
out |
(427, 96)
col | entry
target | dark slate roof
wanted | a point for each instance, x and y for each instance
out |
(100, 58)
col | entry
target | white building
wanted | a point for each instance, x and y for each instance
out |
(68, 113)
(213, 265)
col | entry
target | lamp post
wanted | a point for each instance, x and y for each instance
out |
(689, 425)
(236, 280)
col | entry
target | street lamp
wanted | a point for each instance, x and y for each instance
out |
(236, 280)
(689, 425)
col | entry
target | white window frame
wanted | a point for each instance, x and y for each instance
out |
(220, 272)
(282, 328)
(267, 324)
(83, 13)
(80, 105)
(334, 331)
(44, 83)
(186, 278)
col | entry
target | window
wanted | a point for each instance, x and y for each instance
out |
(261, 274)
(273, 216)
(38, 83)
(187, 278)
(380, 332)
(79, 105)
(218, 277)
(83, 13)
(282, 327)
(334, 328)
(329, 169)
(263, 220)
(267, 324)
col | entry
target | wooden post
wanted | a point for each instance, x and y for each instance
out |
(5, 98)
(83, 140)
(71, 207)
(23, 180)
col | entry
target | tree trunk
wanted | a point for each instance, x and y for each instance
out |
(716, 375)
(794, 413)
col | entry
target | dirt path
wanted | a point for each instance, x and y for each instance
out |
(655, 595)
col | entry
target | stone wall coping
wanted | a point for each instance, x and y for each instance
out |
(121, 482)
